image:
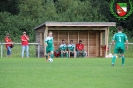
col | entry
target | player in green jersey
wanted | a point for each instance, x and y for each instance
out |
(71, 48)
(63, 49)
(119, 40)
(49, 46)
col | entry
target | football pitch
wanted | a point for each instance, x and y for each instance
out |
(65, 73)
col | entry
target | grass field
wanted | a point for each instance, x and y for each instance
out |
(65, 73)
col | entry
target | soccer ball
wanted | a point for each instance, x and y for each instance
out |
(110, 55)
(50, 60)
(107, 56)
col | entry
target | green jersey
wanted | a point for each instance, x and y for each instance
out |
(63, 46)
(49, 41)
(71, 47)
(120, 39)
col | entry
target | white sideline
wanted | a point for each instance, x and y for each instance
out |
(38, 45)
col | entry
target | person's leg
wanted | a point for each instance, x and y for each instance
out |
(66, 54)
(69, 53)
(51, 49)
(78, 53)
(61, 54)
(47, 53)
(113, 59)
(51, 55)
(123, 60)
(122, 57)
(83, 53)
(114, 56)
(23, 48)
(27, 51)
(8, 51)
(75, 54)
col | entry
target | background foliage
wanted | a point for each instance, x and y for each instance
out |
(17, 16)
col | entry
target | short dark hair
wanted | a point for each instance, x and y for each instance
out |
(119, 28)
(71, 40)
(80, 41)
(50, 31)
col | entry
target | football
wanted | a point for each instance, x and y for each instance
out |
(50, 60)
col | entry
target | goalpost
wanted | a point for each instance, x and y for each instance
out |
(2, 48)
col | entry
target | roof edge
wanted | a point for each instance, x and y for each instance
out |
(76, 24)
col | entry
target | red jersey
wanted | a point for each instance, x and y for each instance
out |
(24, 38)
(7, 40)
(79, 46)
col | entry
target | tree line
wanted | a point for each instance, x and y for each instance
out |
(17, 16)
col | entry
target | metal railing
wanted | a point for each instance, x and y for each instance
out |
(38, 47)
(110, 46)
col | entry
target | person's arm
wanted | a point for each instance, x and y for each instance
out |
(126, 40)
(68, 47)
(65, 47)
(113, 40)
(45, 42)
(74, 48)
(22, 39)
(53, 42)
(6, 40)
(27, 38)
(83, 47)
(126, 44)
(77, 47)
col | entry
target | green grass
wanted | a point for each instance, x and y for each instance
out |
(65, 73)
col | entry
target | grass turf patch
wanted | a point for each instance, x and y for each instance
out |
(65, 73)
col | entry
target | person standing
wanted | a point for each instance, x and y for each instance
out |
(25, 46)
(9, 44)
(119, 40)
(49, 46)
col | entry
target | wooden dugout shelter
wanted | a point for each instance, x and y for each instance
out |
(94, 35)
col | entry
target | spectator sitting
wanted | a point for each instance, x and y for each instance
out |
(80, 49)
(71, 49)
(63, 49)
(56, 53)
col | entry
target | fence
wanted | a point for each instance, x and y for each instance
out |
(2, 48)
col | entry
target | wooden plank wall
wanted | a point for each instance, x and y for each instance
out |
(63, 35)
(91, 38)
(83, 35)
(73, 36)
(92, 43)
(55, 36)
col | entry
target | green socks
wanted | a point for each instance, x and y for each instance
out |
(113, 59)
(83, 54)
(46, 56)
(52, 56)
(123, 60)
(61, 54)
(67, 55)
